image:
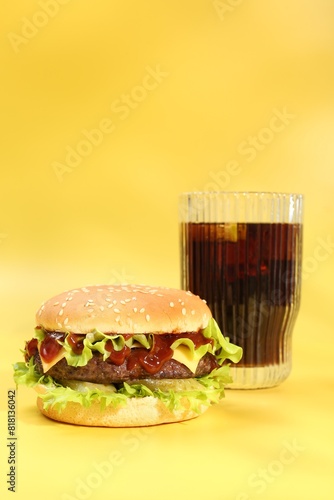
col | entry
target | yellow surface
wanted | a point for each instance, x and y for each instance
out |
(109, 110)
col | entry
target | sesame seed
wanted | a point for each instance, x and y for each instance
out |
(64, 304)
(184, 312)
(147, 317)
(59, 324)
(142, 310)
(117, 319)
(116, 310)
(114, 301)
(135, 309)
(110, 305)
(182, 303)
(127, 300)
(107, 299)
(171, 304)
(65, 321)
(192, 311)
(159, 295)
(61, 312)
(90, 300)
(90, 310)
(56, 304)
(69, 298)
(85, 290)
(188, 292)
(122, 302)
(101, 308)
(134, 298)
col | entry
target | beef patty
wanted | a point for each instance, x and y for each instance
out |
(102, 372)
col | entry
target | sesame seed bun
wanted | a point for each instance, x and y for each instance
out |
(124, 309)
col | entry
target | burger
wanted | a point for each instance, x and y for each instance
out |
(126, 355)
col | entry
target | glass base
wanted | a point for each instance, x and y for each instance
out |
(259, 377)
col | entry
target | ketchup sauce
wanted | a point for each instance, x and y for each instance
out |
(117, 357)
(75, 341)
(151, 360)
(30, 349)
(50, 346)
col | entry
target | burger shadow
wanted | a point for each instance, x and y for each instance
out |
(259, 407)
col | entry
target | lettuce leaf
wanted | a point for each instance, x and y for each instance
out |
(74, 359)
(96, 341)
(210, 390)
(25, 373)
(195, 353)
(223, 347)
(39, 334)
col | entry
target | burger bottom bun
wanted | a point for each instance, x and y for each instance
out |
(138, 412)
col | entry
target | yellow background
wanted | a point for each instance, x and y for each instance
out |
(186, 93)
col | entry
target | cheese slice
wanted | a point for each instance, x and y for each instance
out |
(47, 366)
(182, 354)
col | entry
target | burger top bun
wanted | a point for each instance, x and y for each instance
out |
(124, 309)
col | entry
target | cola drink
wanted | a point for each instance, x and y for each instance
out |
(249, 274)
